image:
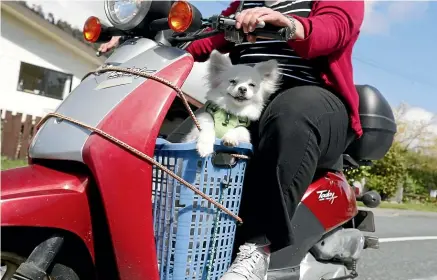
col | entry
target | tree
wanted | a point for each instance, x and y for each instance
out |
(416, 134)
(385, 175)
(51, 18)
(411, 163)
(422, 168)
(419, 138)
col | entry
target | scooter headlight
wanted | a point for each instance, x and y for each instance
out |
(126, 14)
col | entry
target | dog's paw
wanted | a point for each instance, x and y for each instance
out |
(205, 148)
(231, 138)
(205, 144)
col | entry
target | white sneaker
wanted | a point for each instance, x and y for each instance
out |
(251, 263)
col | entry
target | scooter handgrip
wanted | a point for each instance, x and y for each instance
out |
(261, 24)
(270, 32)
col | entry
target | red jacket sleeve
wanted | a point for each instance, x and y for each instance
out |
(201, 49)
(329, 28)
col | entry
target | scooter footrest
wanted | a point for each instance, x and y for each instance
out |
(371, 242)
(19, 277)
(351, 275)
(290, 273)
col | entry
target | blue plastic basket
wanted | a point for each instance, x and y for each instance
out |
(184, 222)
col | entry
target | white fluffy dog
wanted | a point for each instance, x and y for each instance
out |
(237, 96)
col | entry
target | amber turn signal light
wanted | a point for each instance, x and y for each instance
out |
(92, 29)
(180, 16)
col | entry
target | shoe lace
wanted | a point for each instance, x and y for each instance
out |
(246, 260)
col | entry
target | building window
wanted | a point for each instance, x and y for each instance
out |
(43, 81)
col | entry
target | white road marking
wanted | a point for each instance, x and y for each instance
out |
(410, 238)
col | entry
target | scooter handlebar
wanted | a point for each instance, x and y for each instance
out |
(262, 29)
(222, 24)
(271, 32)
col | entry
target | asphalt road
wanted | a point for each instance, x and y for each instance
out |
(408, 249)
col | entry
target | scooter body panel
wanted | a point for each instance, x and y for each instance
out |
(124, 180)
(328, 203)
(97, 95)
(311, 269)
(332, 200)
(37, 196)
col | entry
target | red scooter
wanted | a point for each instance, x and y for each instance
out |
(107, 196)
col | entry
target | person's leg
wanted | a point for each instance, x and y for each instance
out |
(300, 129)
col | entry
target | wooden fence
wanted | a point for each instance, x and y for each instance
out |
(17, 131)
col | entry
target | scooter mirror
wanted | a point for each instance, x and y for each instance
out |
(371, 199)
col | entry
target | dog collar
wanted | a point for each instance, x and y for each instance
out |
(223, 120)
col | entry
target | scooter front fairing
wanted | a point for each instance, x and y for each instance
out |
(38, 196)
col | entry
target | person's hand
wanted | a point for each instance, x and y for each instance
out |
(248, 20)
(115, 40)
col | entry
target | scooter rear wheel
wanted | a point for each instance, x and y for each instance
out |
(11, 261)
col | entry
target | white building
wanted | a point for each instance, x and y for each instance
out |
(39, 63)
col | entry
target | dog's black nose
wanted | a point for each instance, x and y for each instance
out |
(242, 89)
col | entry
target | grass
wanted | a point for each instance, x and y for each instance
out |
(425, 207)
(8, 164)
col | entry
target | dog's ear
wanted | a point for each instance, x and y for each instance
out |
(218, 63)
(269, 70)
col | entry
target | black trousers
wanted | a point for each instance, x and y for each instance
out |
(300, 130)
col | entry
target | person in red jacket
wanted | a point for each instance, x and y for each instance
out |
(305, 126)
